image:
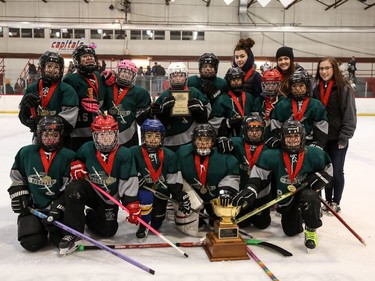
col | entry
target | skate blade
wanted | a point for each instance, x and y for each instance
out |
(67, 251)
(142, 240)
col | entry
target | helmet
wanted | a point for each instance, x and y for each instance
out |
(233, 74)
(152, 125)
(51, 57)
(253, 122)
(208, 58)
(105, 133)
(293, 127)
(49, 132)
(174, 69)
(130, 70)
(299, 76)
(87, 68)
(204, 130)
(271, 81)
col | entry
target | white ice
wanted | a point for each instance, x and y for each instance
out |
(340, 256)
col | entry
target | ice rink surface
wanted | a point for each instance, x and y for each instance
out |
(339, 256)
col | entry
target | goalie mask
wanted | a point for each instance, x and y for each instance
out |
(208, 65)
(253, 129)
(152, 132)
(271, 81)
(293, 136)
(105, 133)
(85, 59)
(204, 137)
(126, 73)
(235, 80)
(49, 132)
(299, 84)
(177, 73)
(52, 66)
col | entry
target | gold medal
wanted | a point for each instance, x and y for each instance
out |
(110, 180)
(292, 188)
(203, 190)
(44, 112)
(46, 180)
(154, 186)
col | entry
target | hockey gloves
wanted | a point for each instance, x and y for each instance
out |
(234, 122)
(20, 199)
(245, 197)
(134, 212)
(31, 101)
(224, 145)
(78, 170)
(184, 202)
(209, 89)
(109, 77)
(90, 105)
(273, 142)
(167, 104)
(318, 180)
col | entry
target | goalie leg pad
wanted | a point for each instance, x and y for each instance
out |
(31, 233)
(188, 224)
(195, 200)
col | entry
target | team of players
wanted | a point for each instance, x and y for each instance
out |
(231, 144)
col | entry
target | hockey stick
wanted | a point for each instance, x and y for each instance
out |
(138, 219)
(292, 190)
(146, 245)
(262, 265)
(94, 242)
(342, 221)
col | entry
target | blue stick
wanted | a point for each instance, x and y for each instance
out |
(92, 241)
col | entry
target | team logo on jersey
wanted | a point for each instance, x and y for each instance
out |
(43, 180)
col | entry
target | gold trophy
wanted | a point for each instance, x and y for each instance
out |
(225, 243)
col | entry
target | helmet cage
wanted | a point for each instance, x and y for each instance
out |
(105, 133)
(177, 69)
(80, 51)
(250, 123)
(51, 57)
(292, 127)
(49, 124)
(204, 130)
(131, 69)
(299, 76)
(211, 59)
(152, 125)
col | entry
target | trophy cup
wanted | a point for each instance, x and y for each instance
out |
(225, 243)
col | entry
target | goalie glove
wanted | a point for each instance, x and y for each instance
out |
(20, 199)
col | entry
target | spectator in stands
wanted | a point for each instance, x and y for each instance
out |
(8, 88)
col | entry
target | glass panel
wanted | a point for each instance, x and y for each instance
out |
(200, 36)
(96, 33)
(1, 31)
(148, 34)
(79, 33)
(26, 33)
(14, 32)
(159, 35)
(187, 35)
(55, 33)
(120, 34)
(135, 35)
(67, 33)
(38, 33)
(175, 35)
(107, 34)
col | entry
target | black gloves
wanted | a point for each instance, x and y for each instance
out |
(245, 197)
(184, 202)
(316, 144)
(273, 142)
(235, 121)
(20, 199)
(31, 100)
(155, 109)
(318, 180)
(55, 213)
(209, 89)
(195, 106)
(167, 104)
(224, 145)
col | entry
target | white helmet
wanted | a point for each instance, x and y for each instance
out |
(177, 68)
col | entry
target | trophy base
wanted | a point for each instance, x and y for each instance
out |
(228, 249)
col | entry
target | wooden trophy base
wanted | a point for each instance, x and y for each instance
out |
(225, 249)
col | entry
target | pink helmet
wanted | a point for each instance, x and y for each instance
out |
(126, 65)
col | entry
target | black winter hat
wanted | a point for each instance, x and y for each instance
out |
(285, 52)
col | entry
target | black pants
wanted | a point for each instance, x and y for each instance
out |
(262, 219)
(101, 218)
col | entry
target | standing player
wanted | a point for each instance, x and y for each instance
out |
(112, 168)
(127, 103)
(157, 168)
(50, 96)
(90, 89)
(39, 175)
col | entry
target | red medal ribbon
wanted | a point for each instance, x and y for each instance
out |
(248, 74)
(45, 100)
(292, 175)
(325, 96)
(107, 166)
(46, 162)
(236, 101)
(298, 115)
(154, 174)
(118, 98)
(94, 86)
(252, 159)
(202, 173)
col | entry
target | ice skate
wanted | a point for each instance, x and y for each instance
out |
(142, 232)
(311, 239)
(68, 244)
